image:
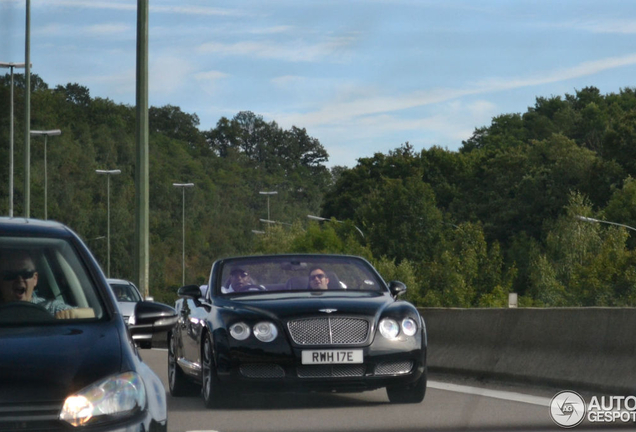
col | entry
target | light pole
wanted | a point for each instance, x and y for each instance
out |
(268, 195)
(11, 66)
(592, 220)
(322, 219)
(183, 186)
(46, 134)
(108, 174)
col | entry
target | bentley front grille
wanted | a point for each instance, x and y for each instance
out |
(259, 370)
(394, 368)
(329, 331)
(330, 371)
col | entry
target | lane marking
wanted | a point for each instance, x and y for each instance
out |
(496, 394)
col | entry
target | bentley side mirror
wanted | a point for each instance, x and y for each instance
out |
(397, 288)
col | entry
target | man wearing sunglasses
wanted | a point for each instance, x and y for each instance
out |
(240, 281)
(318, 279)
(18, 279)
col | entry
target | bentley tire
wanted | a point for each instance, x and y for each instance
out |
(211, 388)
(178, 383)
(413, 393)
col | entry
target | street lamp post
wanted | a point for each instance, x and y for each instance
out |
(183, 186)
(268, 195)
(322, 219)
(11, 66)
(46, 134)
(108, 174)
(592, 220)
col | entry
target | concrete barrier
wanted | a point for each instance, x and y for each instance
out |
(571, 348)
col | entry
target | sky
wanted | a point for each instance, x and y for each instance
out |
(361, 76)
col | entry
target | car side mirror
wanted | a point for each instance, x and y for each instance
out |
(152, 317)
(189, 291)
(397, 288)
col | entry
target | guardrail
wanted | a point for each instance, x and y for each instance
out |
(570, 348)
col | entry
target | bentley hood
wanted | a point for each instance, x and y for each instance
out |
(364, 304)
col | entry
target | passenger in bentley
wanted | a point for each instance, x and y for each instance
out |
(318, 279)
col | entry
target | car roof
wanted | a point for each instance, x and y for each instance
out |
(119, 281)
(33, 227)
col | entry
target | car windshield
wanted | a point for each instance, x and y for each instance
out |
(298, 273)
(125, 292)
(43, 279)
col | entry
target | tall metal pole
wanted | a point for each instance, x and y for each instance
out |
(46, 134)
(11, 66)
(11, 151)
(27, 113)
(182, 236)
(142, 225)
(268, 193)
(108, 174)
(183, 186)
(46, 214)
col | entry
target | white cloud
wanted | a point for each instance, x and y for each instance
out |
(108, 29)
(168, 74)
(132, 6)
(342, 112)
(210, 76)
(616, 26)
(293, 52)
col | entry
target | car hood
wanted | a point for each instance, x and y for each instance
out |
(39, 364)
(293, 306)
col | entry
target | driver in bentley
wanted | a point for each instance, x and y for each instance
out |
(239, 281)
(18, 279)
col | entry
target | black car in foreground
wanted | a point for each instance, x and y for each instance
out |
(296, 323)
(67, 360)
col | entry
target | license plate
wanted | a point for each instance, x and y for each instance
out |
(332, 356)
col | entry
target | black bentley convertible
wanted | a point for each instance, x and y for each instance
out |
(296, 323)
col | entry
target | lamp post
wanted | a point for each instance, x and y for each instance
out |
(183, 186)
(322, 219)
(592, 220)
(11, 66)
(268, 195)
(108, 173)
(46, 134)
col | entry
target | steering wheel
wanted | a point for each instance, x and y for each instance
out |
(252, 287)
(19, 311)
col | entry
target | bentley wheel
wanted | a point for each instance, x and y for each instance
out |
(178, 383)
(211, 386)
(413, 393)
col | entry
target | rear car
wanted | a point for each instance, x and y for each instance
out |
(68, 361)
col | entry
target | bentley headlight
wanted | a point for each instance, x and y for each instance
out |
(240, 331)
(265, 331)
(409, 327)
(112, 398)
(389, 328)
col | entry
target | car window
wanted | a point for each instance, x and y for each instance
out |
(125, 292)
(284, 274)
(44, 279)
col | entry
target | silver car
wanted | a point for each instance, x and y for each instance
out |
(128, 296)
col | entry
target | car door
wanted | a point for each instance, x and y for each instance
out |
(191, 328)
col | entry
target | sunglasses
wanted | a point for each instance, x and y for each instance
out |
(243, 274)
(14, 274)
(320, 276)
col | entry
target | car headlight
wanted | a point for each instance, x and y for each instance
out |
(389, 328)
(240, 331)
(112, 398)
(265, 331)
(409, 326)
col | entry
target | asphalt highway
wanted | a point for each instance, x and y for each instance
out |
(450, 405)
